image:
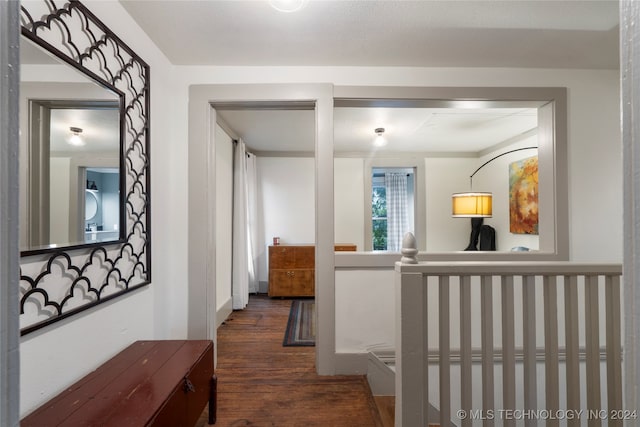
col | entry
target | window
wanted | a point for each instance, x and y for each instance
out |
(379, 217)
(392, 206)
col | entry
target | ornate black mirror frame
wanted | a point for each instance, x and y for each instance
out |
(61, 283)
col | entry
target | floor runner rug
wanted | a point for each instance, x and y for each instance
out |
(301, 326)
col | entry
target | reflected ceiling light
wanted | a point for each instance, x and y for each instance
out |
(75, 136)
(287, 6)
(380, 140)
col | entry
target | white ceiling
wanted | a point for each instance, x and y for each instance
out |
(100, 129)
(432, 130)
(519, 33)
(464, 33)
(445, 130)
(100, 125)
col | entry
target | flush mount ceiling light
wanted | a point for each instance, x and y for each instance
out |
(75, 136)
(380, 139)
(287, 6)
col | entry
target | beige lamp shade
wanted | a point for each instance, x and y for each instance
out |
(471, 205)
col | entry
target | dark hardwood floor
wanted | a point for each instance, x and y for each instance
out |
(262, 383)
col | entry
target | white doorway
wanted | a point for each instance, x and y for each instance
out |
(202, 200)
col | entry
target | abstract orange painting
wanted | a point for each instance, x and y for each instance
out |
(523, 196)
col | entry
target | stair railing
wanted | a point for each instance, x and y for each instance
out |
(527, 342)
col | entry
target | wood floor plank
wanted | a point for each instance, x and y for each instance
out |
(262, 383)
(386, 406)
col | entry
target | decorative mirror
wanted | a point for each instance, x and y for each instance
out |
(84, 177)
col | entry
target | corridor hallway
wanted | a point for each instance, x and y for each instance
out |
(261, 383)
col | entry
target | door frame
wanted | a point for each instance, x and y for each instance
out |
(201, 246)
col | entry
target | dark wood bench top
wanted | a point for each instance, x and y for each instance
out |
(148, 383)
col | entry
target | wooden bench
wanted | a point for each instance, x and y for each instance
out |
(150, 383)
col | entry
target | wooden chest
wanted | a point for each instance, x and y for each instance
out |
(150, 383)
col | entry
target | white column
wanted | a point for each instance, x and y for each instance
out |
(630, 85)
(412, 384)
(9, 255)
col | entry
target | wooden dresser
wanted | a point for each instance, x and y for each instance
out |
(150, 383)
(292, 269)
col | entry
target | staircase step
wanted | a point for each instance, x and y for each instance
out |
(381, 372)
(381, 375)
(387, 409)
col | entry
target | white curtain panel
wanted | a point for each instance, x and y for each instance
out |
(240, 259)
(252, 221)
(397, 209)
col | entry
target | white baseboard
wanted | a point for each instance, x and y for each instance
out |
(381, 378)
(224, 312)
(351, 363)
(263, 287)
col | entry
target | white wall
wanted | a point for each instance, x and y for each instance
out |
(59, 168)
(169, 291)
(286, 194)
(159, 310)
(349, 201)
(367, 322)
(224, 217)
(595, 169)
(594, 162)
(593, 126)
(594, 149)
(56, 356)
(111, 201)
(494, 177)
(443, 177)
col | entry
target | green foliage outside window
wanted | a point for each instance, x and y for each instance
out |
(379, 215)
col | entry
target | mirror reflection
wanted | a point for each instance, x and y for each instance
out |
(101, 219)
(70, 164)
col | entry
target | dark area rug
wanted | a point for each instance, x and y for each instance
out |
(301, 326)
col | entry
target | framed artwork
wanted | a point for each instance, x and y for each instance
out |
(523, 196)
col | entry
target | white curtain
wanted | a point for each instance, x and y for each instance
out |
(243, 277)
(252, 222)
(397, 211)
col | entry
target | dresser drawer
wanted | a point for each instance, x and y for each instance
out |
(281, 257)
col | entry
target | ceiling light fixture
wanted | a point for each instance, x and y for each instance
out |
(380, 140)
(75, 136)
(287, 6)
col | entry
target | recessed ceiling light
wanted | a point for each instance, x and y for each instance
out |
(287, 5)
